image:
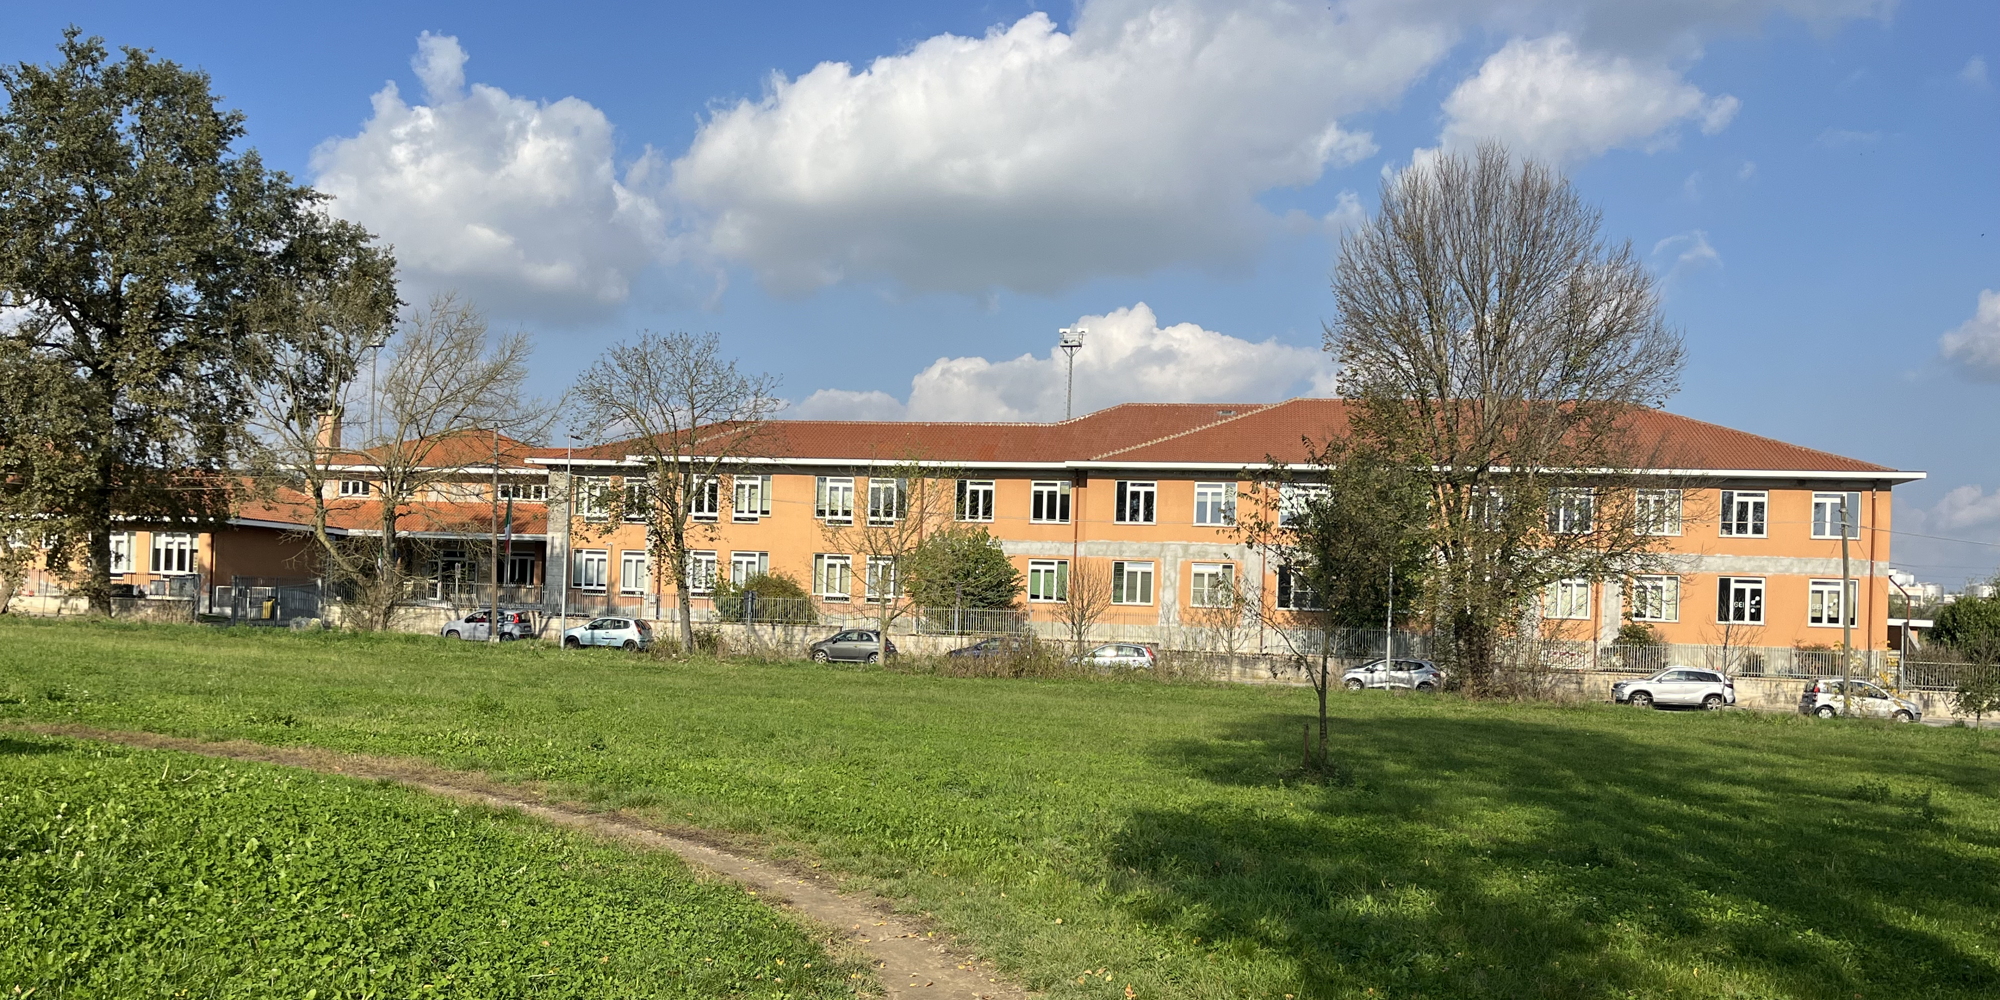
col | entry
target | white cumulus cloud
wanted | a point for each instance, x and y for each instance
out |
(1964, 507)
(1127, 356)
(1031, 158)
(516, 202)
(1550, 99)
(1975, 346)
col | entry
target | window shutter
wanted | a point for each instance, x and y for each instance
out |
(1121, 502)
(1722, 599)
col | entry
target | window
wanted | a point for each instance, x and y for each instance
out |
(752, 499)
(1656, 599)
(457, 492)
(701, 572)
(1295, 592)
(121, 552)
(1487, 507)
(1740, 600)
(593, 567)
(881, 580)
(975, 499)
(1566, 599)
(635, 570)
(1824, 599)
(833, 576)
(744, 565)
(1213, 586)
(887, 500)
(1135, 505)
(590, 494)
(638, 498)
(173, 553)
(1215, 503)
(1131, 582)
(355, 488)
(1295, 500)
(705, 500)
(1048, 579)
(1049, 503)
(1827, 514)
(524, 492)
(833, 500)
(1571, 511)
(1657, 512)
(1743, 513)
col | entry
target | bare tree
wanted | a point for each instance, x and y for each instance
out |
(1221, 623)
(905, 505)
(1086, 596)
(692, 415)
(1493, 340)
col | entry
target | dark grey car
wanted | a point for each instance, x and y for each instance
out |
(1000, 646)
(855, 645)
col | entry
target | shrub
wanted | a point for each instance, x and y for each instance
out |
(964, 568)
(777, 598)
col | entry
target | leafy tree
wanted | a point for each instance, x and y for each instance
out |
(140, 253)
(777, 598)
(962, 567)
(1978, 694)
(1638, 634)
(1968, 622)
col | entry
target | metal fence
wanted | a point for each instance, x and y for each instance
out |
(264, 600)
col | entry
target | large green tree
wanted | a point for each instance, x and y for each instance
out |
(961, 567)
(142, 259)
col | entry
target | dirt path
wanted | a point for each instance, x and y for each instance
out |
(910, 960)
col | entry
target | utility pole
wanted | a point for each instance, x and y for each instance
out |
(568, 555)
(1846, 609)
(1389, 624)
(1072, 342)
(493, 613)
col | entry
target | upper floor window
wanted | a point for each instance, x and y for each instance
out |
(1831, 510)
(356, 487)
(705, 500)
(1567, 599)
(1656, 598)
(887, 500)
(1739, 600)
(591, 494)
(833, 499)
(524, 491)
(752, 498)
(1572, 511)
(1743, 512)
(1295, 500)
(173, 553)
(975, 499)
(638, 498)
(1049, 503)
(744, 565)
(1215, 503)
(121, 552)
(1135, 502)
(1657, 512)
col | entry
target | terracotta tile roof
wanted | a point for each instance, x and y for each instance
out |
(474, 518)
(464, 449)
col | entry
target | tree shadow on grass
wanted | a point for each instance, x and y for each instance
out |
(10, 747)
(1487, 857)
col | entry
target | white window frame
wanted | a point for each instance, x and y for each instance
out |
(1211, 585)
(750, 499)
(829, 569)
(879, 569)
(1572, 511)
(122, 543)
(588, 565)
(888, 500)
(1826, 515)
(833, 499)
(174, 553)
(703, 569)
(1567, 599)
(1048, 502)
(1137, 502)
(635, 570)
(355, 487)
(1290, 587)
(1656, 599)
(744, 565)
(517, 571)
(1215, 504)
(705, 500)
(1295, 499)
(521, 492)
(1746, 513)
(976, 498)
(638, 494)
(590, 492)
(1726, 590)
(1658, 512)
(1820, 593)
(1132, 582)
(1048, 581)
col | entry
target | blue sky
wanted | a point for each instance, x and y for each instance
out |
(1814, 180)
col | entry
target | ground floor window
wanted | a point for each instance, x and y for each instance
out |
(881, 579)
(744, 565)
(1131, 583)
(1213, 585)
(518, 571)
(121, 552)
(1825, 600)
(1656, 599)
(1295, 592)
(173, 553)
(1567, 599)
(1739, 600)
(833, 577)
(592, 569)
(1048, 580)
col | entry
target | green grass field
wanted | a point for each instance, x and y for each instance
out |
(1091, 834)
(127, 873)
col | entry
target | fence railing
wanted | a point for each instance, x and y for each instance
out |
(472, 595)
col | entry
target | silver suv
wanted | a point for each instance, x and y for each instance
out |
(1690, 686)
(1831, 696)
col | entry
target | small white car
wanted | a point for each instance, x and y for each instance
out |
(1124, 655)
(1831, 696)
(1416, 675)
(472, 627)
(625, 633)
(1689, 686)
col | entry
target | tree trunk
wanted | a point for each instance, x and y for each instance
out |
(679, 554)
(1472, 641)
(97, 555)
(9, 583)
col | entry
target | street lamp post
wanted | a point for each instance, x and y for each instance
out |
(569, 521)
(1072, 342)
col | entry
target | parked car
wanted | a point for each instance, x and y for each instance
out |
(1419, 675)
(1710, 689)
(625, 633)
(855, 645)
(1831, 696)
(1000, 646)
(472, 627)
(1126, 655)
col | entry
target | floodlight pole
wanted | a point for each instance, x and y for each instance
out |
(1072, 342)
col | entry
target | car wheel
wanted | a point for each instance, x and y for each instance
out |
(1712, 702)
(631, 644)
(508, 637)
(819, 656)
(873, 658)
(1902, 716)
(451, 634)
(1641, 699)
(1427, 686)
(1354, 685)
(1826, 711)
(571, 642)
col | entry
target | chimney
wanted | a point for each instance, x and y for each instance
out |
(329, 431)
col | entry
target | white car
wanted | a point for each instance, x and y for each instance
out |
(1417, 675)
(1824, 698)
(1690, 686)
(1126, 655)
(625, 633)
(472, 627)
